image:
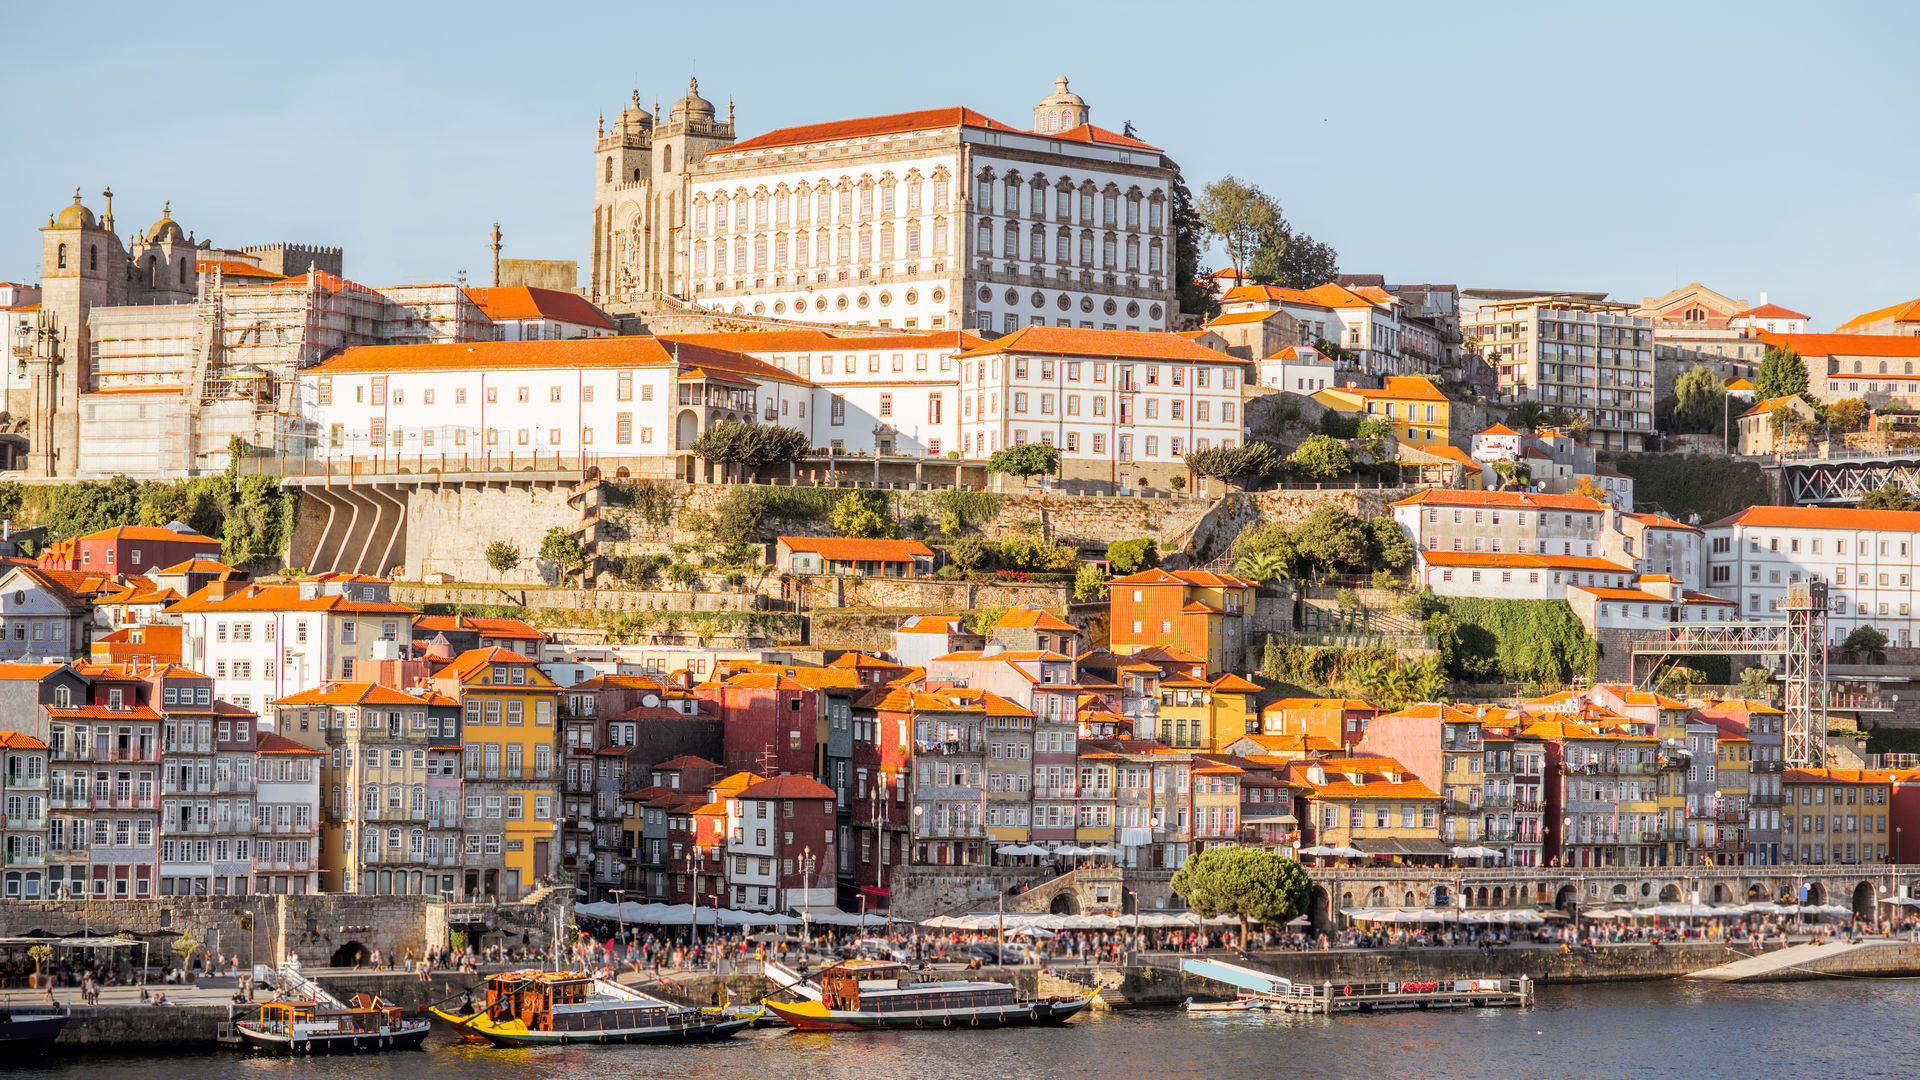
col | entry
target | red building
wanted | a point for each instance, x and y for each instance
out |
(782, 856)
(130, 549)
(879, 827)
(768, 721)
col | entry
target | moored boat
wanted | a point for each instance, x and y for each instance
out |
(367, 1023)
(1245, 1004)
(29, 1031)
(862, 995)
(549, 1008)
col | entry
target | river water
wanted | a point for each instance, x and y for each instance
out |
(1853, 1029)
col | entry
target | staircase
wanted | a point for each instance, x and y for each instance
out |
(583, 495)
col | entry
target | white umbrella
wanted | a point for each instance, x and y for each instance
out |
(1032, 849)
(1348, 853)
(1317, 849)
(1030, 931)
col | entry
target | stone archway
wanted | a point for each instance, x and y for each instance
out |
(1499, 896)
(1566, 897)
(1670, 894)
(1816, 893)
(1377, 897)
(1442, 896)
(1064, 902)
(1757, 891)
(1863, 901)
(686, 430)
(349, 955)
(1721, 894)
(1318, 912)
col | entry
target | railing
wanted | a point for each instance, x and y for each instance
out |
(420, 463)
(1497, 802)
(26, 783)
(70, 802)
(23, 822)
(132, 754)
(234, 786)
(23, 859)
(287, 828)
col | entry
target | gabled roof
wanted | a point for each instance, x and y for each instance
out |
(151, 532)
(1229, 683)
(1239, 318)
(1524, 500)
(270, 743)
(933, 624)
(1107, 344)
(510, 302)
(257, 597)
(197, 566)
(868, 126)
(1769, 311)
(16, 740)
(1520, 559)
(1199, 578)
(1022, 616)
(847, 549)
(362, 693)
(1822, 517)
(485, 626)
(1904, 311)
(1761, 408)
(684, 761)
(1851, 344)
(473, 661)
(1399, 388)
(789, 786)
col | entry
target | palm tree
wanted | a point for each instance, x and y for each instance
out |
(1429, 682)
(1261, 567)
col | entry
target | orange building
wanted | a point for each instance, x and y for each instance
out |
(1338, 720)
(1200, 612)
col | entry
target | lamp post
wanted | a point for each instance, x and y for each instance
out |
(620, 918)
(693, 898)
(806, 899)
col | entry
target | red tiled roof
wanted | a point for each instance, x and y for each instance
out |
(508, 302)
(270, 743)
(1849, 344)
(1480, 558)
(281, 598)
(1770, 404)
(147, 532)
(15, 740)
(1200, 578)
(1088, 133)
(790, 786)
(1525, 500)
(1499, 429)
(486, 626)
(826, 339)
(1822, 517)
(1399, 388)
(846, 549)
(1770, 311)
(1036, 618)
(1114, 344)
(865, 127)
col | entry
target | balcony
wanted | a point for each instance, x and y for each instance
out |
(185, 828)
(284, 865)
(128, 754)
(170, 787)
(81, 801)
(232, 786)
(23, 859)
(1496, 802)
(286, 828)
(189, 746)
(23, 782)
(127, 802)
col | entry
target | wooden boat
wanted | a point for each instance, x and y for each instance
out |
(29, 1031)
(549, 1008)
(862, 995)
(366, 1023)
(1245, 1004)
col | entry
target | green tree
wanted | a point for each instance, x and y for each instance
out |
(1321, 457)
(1699, 406)
(1847, 414)
(1889, 497)
(1242, 217)
(1189, 238)
(981, 620)
(563, 549)
(740, 513)
(1025, 460)
(39, 954)
(864, 515)
(1268, 565)
(1756, 684)
(1781, 373)
(1089, 584)
(1252, 462)
(1298, 262)
(1387, 545)
(1524, 415)
(1267, 544)
(969, 552)
(1133, 556)
(185, 946)
(751, 446)
(503, 556)
(1865, 639)
(1243, 881)
(1331, 537)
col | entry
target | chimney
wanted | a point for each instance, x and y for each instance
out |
(1763, 298)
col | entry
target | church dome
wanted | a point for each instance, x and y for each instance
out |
(1063, 96)
(691, 107)
(633, 114)
(1062, 110)
(166, 228)
(75, 216)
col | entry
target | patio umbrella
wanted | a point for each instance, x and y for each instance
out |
(1030, 932)
(1349, 852)
(1317, 849)
(1010, 849)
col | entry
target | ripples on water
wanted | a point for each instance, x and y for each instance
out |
(1786, 1030)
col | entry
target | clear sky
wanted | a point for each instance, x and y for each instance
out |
(1630, 147)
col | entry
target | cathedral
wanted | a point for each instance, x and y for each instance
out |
(936, 219)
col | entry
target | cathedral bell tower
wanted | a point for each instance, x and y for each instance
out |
(640, 196)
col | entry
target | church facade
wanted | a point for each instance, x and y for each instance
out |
(940, 219)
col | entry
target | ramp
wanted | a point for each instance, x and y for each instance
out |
(1245, 978)
(789, 980)
(1794, 962)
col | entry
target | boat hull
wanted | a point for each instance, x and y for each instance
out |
(409, 1037)
(519, 1036)
(1238, 1005)
(811, 1016)
(30, 1034)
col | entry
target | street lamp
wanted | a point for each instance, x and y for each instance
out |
(693, 898)
(620, 917)
(806, 899)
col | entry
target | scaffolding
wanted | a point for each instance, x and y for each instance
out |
(1806, 730)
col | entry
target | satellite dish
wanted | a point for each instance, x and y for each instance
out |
(651, 701)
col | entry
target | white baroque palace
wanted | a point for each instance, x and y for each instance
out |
(939, 219)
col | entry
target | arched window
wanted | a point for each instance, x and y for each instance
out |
(1856, 367)
(93, 256)
(609, 170)
(636, 176)
(60, 257)
(666, 158)
(183, 272)
(1883, 367)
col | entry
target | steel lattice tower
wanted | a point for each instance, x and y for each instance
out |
(1806, 734)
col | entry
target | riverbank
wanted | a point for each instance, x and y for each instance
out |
(122, 1025)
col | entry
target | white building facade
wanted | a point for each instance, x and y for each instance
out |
(1865, 557)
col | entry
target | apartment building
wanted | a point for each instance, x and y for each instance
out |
(1374, 804)
(1865, 556)
(23, 831)
(507, 725)
(1415, 407)
(783, 855)
(1199, 612)
(1835, 816)
(286, 845)
(1587, 356)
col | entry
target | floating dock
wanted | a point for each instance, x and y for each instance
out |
(1329, 998)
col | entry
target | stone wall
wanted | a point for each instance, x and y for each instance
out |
(312, 927)
(927, 594)
(448, 528)
(1212, 535)
(566, 599)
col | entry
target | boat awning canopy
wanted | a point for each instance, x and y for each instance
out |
(73, 942)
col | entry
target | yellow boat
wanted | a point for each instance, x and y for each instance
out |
(541, 1008)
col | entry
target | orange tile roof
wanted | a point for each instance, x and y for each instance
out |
(1848, 344)
(1822, 517)
(1499, 429)
(1238, 317)
(281, 598)
(1657, 521)
(1904, 311)
(846, 549)
(16, 740)
(486, 626)
(867, 126)
(1773, 311)
(1525, 500)
(149, 532)
(1838, 776)
(197, 566)
(1399, 388)
(826, 339)
(509, 302)
(1112, 344)
(270, 743)
(473, 661)
(343, 692)
(1342, 704)
(1198, 578)
(600, 352)
(932, 624)
(1770, 404)
(1301, 743)
(1088, 133)
(1229, 683)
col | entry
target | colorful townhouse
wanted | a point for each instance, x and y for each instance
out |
(1201, 612)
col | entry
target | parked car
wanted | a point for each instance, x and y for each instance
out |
(999, 955)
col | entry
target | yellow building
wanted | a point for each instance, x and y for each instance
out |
(1197, 714)
(1373, 804)
(507, 750)
(1415, 407)
(1216, 802)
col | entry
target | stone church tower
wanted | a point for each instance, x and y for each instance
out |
(640, 196)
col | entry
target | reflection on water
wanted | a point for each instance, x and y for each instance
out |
(1694, 1030)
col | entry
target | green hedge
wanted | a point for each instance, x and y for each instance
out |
(1538, 641)
(1685, 484)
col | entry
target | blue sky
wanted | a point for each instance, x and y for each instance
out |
(1627, 147)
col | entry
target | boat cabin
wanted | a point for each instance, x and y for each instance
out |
(571, 1001)
(305, 1019)
(875, 986)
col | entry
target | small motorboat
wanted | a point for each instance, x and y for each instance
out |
(29, 1031)
(1245, 1004)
